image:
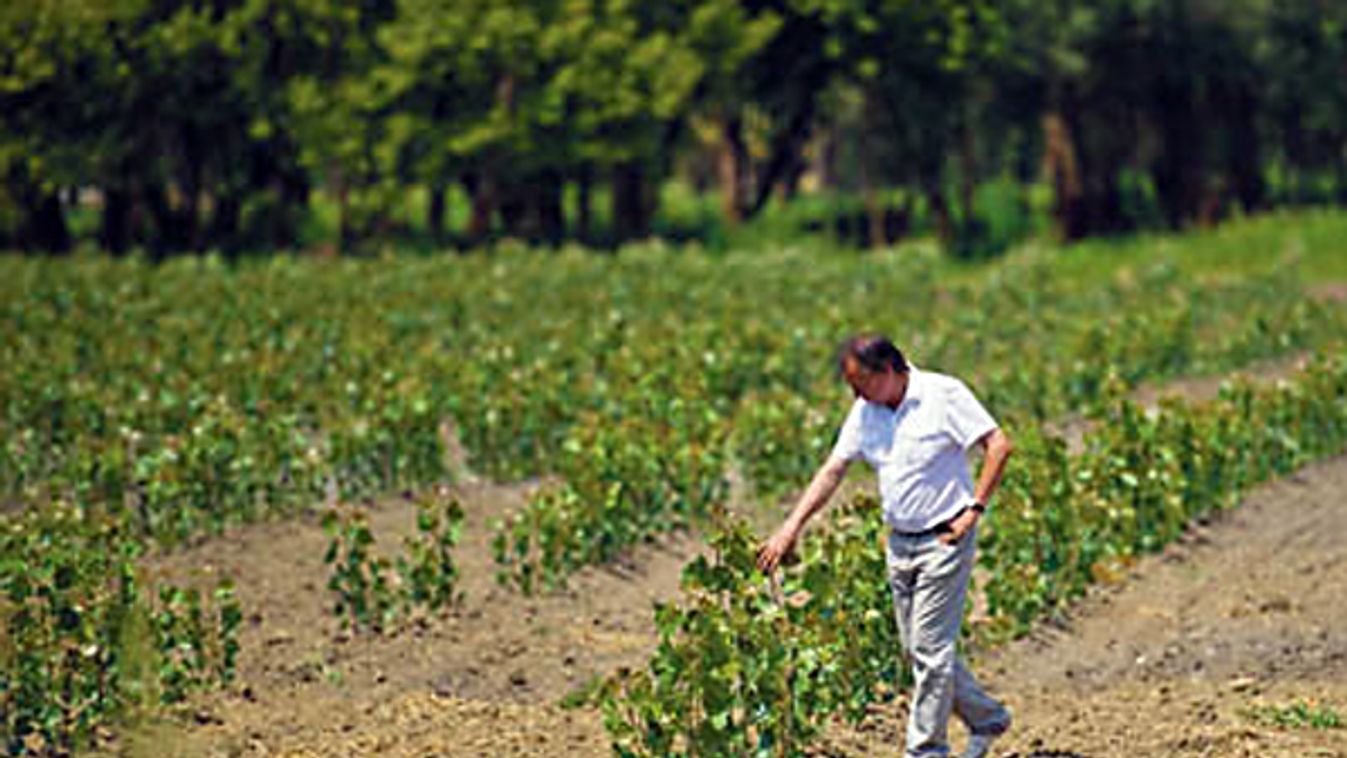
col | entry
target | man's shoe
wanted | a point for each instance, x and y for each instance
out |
(979, 745)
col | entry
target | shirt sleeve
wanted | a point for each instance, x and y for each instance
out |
(848, 445)
(968, 421)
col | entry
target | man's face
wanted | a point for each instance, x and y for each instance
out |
(874, 386)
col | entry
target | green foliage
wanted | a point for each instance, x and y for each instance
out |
(1300, 714)
(169, 401)
(728, 677)
(251, 105)
(365, 599)
(626, 479)
(749, 666)
(427, 569)
(195, 651)
(367, 596)
(82, 640)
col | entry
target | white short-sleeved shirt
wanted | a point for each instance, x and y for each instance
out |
(918, 449)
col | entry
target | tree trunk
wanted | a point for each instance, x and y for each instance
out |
(967, 172)
(788, 188)
(46, 226)
(190, 219)
(192, 180)
(732, 170)
(631, 207)
(514, 204)
(224, 223)
(481, 187)
(164, 226)
(551, 216)
(785, 158)
(584, 203)
(1103, 202)
(825, 161)
(1294, 144)
(1177, 171)
(944, 224)
(346, 233)
(295, 191)
(435, 213)
(115, 232)
(1062, 166)
(875, 235)
(1244, 164)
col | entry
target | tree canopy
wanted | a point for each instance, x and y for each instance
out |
(209, 124)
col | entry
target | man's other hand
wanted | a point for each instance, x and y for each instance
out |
(960, 526)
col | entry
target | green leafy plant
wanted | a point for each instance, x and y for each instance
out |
(195, 650)
(429, 574)
(735, 641)
(1301, 714)
(365, 599)
(83, 639)
(367, 595)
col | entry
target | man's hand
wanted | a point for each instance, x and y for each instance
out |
(821, 487)
(778, 547)
(960, 526)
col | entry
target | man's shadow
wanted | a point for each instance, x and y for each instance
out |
(1048, 754)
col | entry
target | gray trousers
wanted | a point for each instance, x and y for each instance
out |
(930, 583)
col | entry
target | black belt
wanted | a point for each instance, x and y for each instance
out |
(944, 527)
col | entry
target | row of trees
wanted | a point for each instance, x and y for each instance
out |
(209, 123)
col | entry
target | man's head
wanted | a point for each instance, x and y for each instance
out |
(875, 369)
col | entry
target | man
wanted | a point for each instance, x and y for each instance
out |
(914, 427)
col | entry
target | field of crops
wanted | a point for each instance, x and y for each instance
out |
(146, 409)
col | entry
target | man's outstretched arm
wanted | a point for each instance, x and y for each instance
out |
(824, 484)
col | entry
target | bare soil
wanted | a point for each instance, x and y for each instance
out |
(1248, 610)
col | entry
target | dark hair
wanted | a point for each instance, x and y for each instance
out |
(873, 352)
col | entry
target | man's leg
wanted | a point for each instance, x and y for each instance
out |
(982, 713)
(930, 581)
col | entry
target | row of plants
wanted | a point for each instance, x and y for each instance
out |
(372, 591)
(754, 665)
(189, 397)
(86, 637)
(198, 396)
(624, 477)
(161, 403)
(778, 433)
